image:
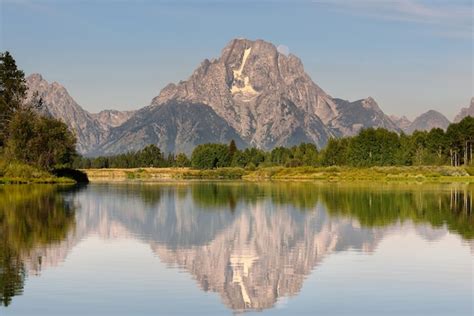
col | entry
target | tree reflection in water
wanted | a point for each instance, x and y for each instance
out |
(30, 216)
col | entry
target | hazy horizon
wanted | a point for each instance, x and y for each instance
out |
(410, 56)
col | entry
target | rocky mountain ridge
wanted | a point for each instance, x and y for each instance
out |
(90, 129)
(424, 122)
(251, 93)
(266, 97)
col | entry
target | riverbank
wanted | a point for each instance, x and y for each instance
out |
(18, 173)
(344, 174)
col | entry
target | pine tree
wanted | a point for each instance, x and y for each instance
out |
(232, 149)
(12, 92)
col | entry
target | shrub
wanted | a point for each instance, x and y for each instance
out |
(20, 170)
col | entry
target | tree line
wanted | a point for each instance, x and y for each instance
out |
(25, 135)
(150, 156)
(371, 147)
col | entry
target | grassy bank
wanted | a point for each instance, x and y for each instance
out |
(18, 173)
(388, 174)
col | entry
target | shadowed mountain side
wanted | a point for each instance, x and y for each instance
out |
(353, 116)
(173, 127)
(427, 121)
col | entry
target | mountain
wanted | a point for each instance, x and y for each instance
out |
(90, 129)
(252, 93)
(59, 104)
(427, 121)
(173, 127)
(112, 118)
(269, 99)
(402, 122)
(469, 111)
(352, 116)
(264, 95)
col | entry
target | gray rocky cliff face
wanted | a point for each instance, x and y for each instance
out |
(174, 127)
(90, 129)
(264, 95)
(353, 116)
(427, 121)
(402, 122)
(112, 118)
(469, 111)
(252, 93)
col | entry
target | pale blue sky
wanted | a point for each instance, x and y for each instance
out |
(410, 55)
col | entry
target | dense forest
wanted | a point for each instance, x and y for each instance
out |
(371, 147)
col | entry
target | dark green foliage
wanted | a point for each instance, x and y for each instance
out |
(335, 153)
(232, 149)
(374, 147)
(307, 154)
(460, 139)
(24, 135)
(76, 175)
(182, 161)
(210, 156)
(12, 92)
(150, 156)
(41, 141)
(279, 156)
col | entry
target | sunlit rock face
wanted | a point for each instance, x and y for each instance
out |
(112, 118)
(90, 129)
(264, 95)
(354, 116)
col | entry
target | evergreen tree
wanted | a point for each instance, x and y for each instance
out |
(12, 92)
(232, 149)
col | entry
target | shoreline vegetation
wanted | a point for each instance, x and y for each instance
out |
(420, 174)
(24, 174)
(20, 173)
(34, 148)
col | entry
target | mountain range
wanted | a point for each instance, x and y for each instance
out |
(251, 93)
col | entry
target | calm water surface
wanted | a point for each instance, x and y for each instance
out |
(227, 248)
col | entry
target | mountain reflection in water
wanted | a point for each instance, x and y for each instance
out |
(252, 243)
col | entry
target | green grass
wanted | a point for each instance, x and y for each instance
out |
(343, 174)
(408, 174)
(20, 173)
